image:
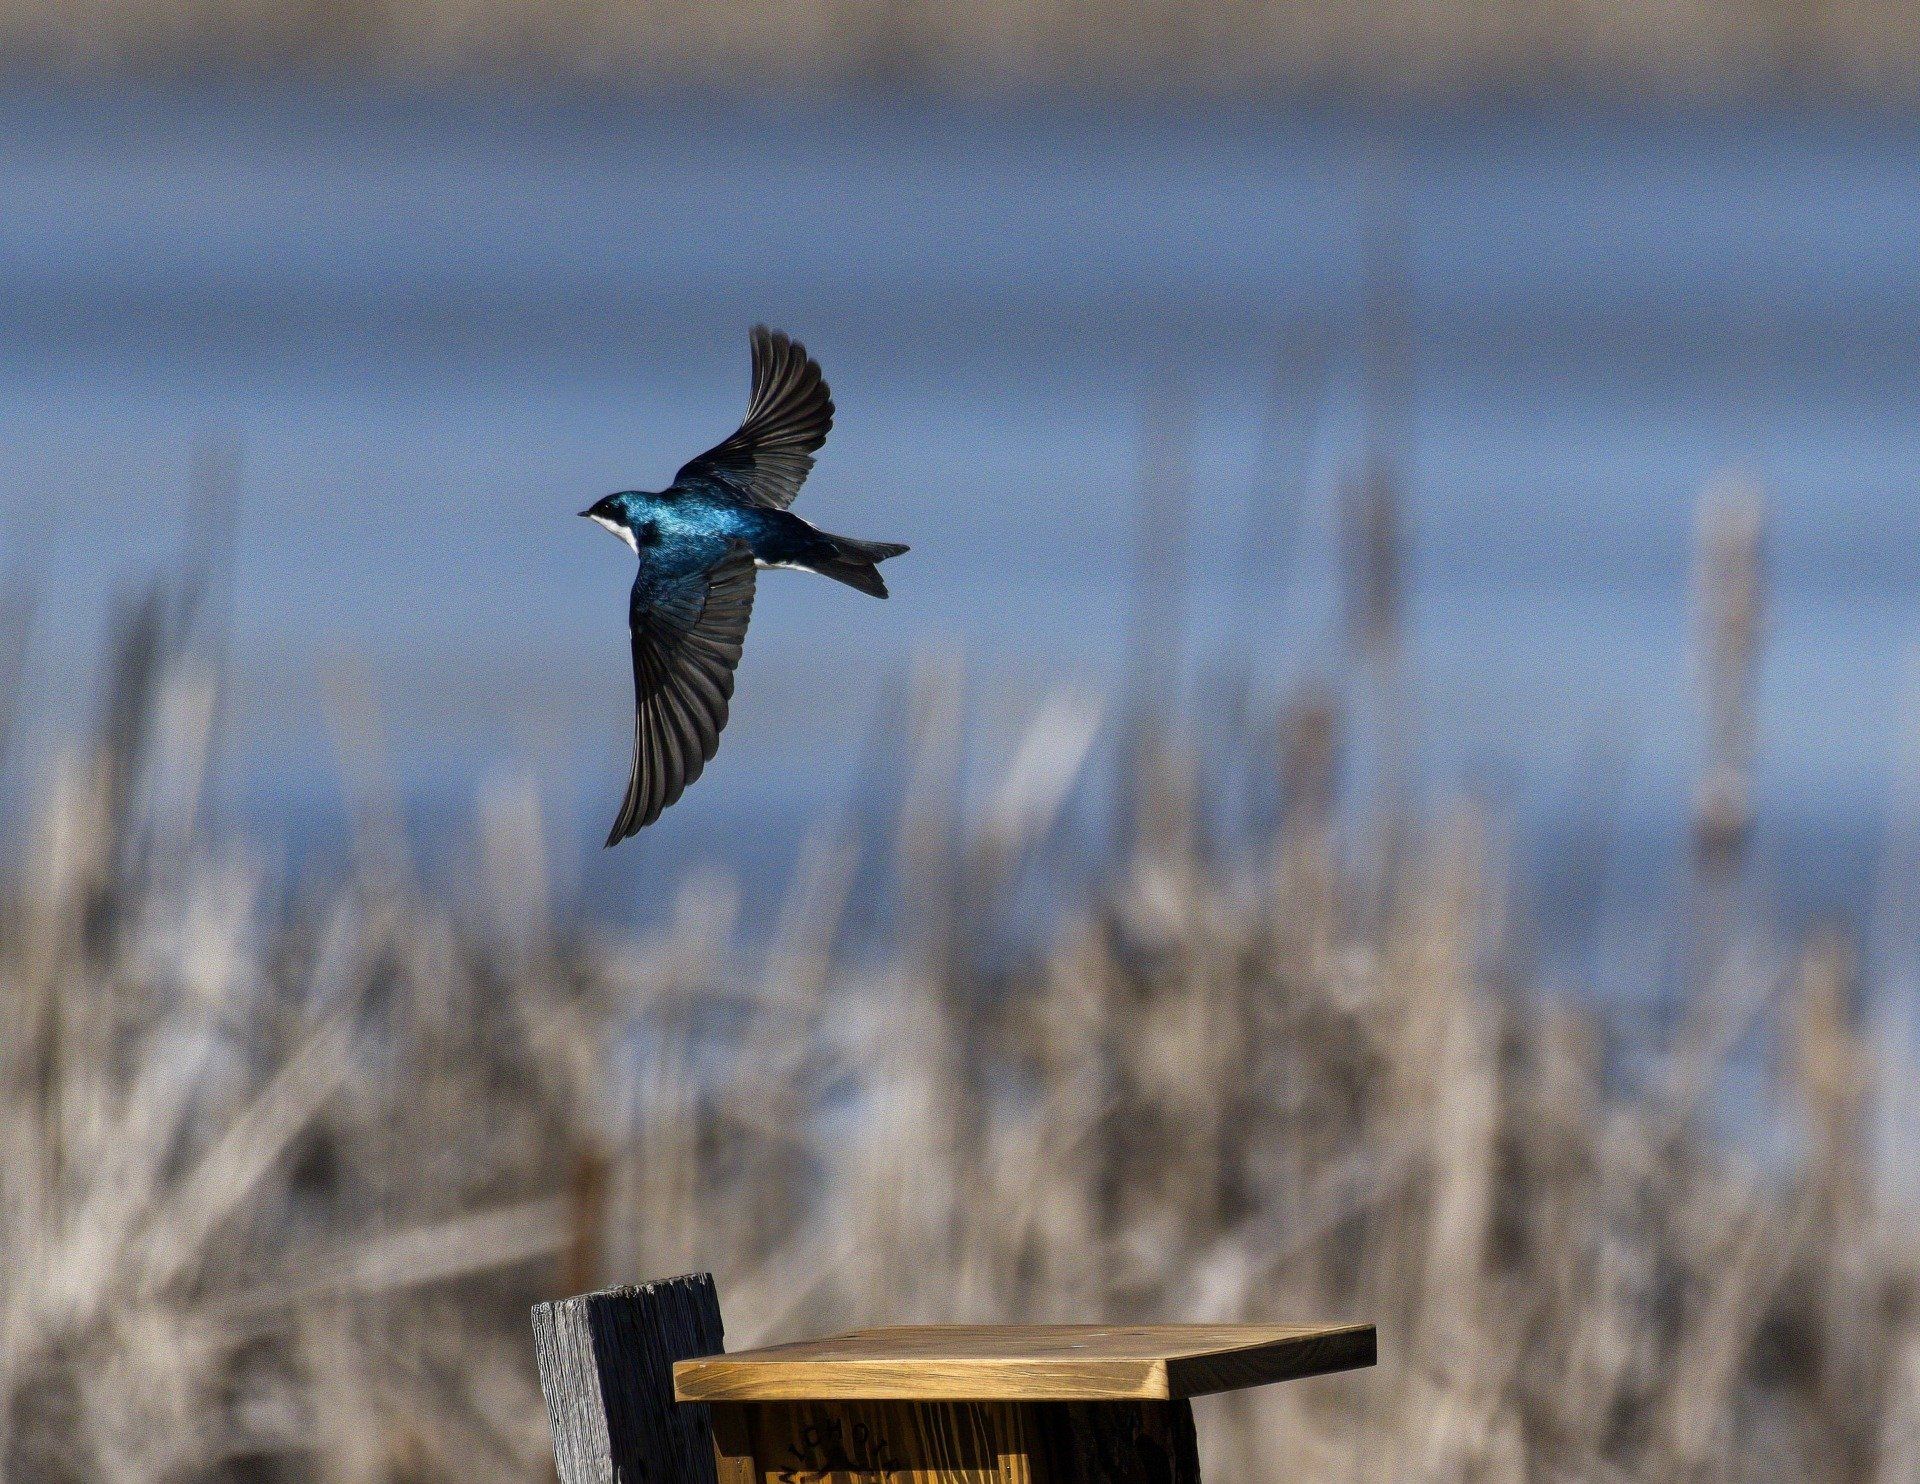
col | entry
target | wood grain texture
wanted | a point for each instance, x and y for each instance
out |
(909, 1442)
(606, 1367)
(1055, 1362)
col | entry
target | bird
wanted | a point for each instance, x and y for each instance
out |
(701, 542)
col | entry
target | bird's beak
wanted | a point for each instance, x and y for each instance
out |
(588, 514)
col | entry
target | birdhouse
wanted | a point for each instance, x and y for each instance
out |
(939, 1404)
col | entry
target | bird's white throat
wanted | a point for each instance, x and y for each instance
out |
(619, 530)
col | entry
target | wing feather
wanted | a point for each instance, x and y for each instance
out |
(687, 636)
(789, 412)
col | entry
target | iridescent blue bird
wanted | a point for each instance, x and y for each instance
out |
(700, 541)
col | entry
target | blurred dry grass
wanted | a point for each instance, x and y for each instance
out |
(278, 1180)
(1691, 47)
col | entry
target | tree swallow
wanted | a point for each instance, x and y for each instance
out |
(700, 541)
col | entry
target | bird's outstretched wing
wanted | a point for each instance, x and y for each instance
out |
(767, 457)
(687, 634)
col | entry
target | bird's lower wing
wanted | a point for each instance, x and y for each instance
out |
(687, 636)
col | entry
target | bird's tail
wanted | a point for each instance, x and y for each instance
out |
(857, 563)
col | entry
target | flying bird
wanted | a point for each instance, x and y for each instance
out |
(700, 542)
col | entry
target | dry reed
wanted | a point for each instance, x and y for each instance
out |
(1443, 47)
(277, 1183)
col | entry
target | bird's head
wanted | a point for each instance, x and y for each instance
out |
(611, 512)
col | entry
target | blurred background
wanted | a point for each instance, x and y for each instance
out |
(1386, 788)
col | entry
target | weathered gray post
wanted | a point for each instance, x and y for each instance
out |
(606, 1367)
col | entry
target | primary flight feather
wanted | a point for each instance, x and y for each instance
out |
(700, 542)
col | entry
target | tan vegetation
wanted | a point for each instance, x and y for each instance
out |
(1693, 47)
(278, 1180)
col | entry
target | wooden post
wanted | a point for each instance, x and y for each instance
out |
(606, 1367)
